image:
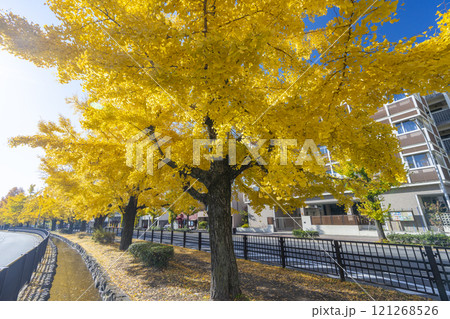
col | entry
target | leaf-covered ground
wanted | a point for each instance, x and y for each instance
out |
(187, 278)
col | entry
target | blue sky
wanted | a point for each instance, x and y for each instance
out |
(29, 94)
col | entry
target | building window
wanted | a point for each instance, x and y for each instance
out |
(405, 127)
(418, 160)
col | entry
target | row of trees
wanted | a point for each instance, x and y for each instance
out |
(28, 208)
(32, 208)
(237, 75)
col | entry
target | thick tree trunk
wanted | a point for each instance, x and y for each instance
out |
(61, 224)
(224, 271)
(53, 224)
(128, 219)
(83, 226)
(98, 222)
(380, 231)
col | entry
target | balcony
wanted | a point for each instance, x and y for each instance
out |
(433, 96)
(441, 117)
(446, 143)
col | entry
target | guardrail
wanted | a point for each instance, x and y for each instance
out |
(15, 275)
(421, 269)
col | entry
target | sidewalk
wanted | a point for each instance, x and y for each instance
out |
(335, 237)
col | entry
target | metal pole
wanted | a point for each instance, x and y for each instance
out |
(436, 274)
(245, 247)
(340, 264)
(282, 252)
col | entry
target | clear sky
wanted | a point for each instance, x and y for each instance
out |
(29, 94)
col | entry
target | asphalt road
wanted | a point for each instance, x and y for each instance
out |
(13, 245)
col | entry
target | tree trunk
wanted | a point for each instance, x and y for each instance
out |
(61, 224)
(98, 222)
(83, 226)
(224, 271)
(128, 218)
(380, 231)
(53, 224)
(71, 226)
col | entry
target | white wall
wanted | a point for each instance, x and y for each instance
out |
(259, 220)
(343, 230)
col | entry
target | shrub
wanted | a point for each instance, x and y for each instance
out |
(244, 226)
(184, 229)
(152, 254)
(300, 233)
(65, 231)
(103, 237)
(202, 225)
(431, 239)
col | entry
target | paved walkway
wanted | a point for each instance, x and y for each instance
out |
(14, 244)
(335, 237)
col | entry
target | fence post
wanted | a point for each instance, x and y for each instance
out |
(245, 247)
(184, 239)
(137, 235)
(282, 252)
(22, 275)
(3, 272)
(117, 231)
(145, 233)
(171, 237)
(152, 235)
(340, 264)
(160, 238)
(436, 274)
(199, 240)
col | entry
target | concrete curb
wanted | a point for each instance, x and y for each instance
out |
(106, 288)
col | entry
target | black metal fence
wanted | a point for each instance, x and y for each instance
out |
(15, 275)
(421, 269)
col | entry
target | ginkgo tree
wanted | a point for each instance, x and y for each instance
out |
(12, 208)
(369, 190)
(88, 175)
(240, 91)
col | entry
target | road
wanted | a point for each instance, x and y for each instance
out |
(13, 245)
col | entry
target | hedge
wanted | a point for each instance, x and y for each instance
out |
(429, 239)
(300, 233)
(103, 237)
(152, 254)
(202, 225)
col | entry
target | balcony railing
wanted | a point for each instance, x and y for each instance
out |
(447, 145)
(432, 96)
(441, 117)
